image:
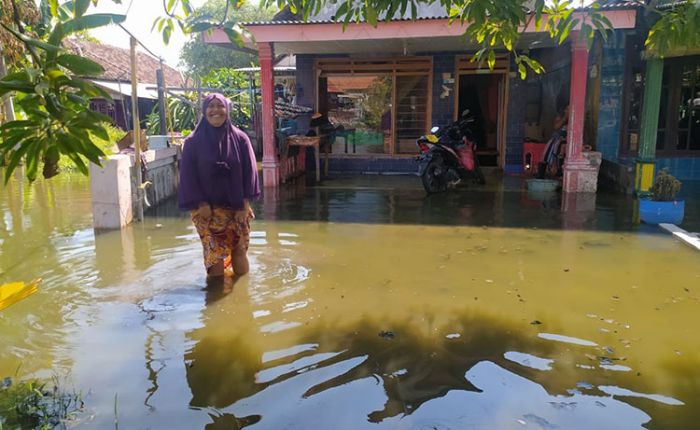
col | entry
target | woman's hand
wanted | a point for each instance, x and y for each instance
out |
(245, 214)
(204, 211)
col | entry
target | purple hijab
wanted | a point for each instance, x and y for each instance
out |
(218, 165)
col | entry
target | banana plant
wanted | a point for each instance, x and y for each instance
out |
(52, 95)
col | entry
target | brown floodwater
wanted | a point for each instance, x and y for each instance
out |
(366, 307)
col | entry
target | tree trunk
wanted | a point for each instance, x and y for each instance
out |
(7, 108)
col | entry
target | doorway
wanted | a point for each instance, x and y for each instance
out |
(482, 94)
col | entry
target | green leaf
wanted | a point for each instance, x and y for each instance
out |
(32, 41)
(89, 89)
(522, 70)
(233, 36)
(96, 20)
(80, 65)
(491, 59)
(20, 86)
(54, 7)
(201, 26)
(16, 124)
(15, 158)
(80, 7)
(371, 15)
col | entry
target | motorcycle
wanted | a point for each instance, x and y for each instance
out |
(448, 156)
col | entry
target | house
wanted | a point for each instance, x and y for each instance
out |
(116, 79)
(389, 84)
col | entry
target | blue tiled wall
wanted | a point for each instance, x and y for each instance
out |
(611, 85)
(373, 165)
(682, 168)
(514, 128)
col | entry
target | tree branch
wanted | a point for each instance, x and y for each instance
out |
(20, 29)
(223, 20)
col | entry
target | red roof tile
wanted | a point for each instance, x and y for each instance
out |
(116, 62)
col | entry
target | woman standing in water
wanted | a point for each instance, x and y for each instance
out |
(218, 179)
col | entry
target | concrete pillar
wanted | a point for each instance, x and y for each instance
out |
(579, 174)
(110, 185)
(270, 164)
(646, 155)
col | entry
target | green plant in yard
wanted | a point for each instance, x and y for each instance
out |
(107, 146)
(376, 103)
(236, 87)
(51, 93)
(665, 187)
(181, 114)
(37, 404)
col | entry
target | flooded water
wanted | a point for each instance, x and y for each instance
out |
(366, 307)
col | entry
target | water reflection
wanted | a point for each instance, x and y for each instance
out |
(357, 379)
(297, 343)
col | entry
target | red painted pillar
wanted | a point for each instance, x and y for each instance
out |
(271, 166)
(579, 175)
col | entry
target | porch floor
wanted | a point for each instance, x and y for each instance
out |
(503, 202)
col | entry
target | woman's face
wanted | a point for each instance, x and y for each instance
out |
(216, 113)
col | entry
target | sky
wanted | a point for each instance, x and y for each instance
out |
(139, 21)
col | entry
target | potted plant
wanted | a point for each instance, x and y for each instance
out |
(663, 207)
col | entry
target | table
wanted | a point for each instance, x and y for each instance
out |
(315, 143)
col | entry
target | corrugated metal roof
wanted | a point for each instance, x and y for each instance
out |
(424, 12)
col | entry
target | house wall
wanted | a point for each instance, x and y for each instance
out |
(617, 172)
(443, 105)
(612, 73)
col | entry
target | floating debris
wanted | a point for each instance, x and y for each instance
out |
(387, 334)
(453, 336)
(15, 291)
(536, 322)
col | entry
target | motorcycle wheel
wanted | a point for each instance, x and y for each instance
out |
(433, 177)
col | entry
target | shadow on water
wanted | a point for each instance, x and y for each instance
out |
(474, 371)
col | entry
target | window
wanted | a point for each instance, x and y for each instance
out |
(383, 104)
(362, 106)
(679, 107)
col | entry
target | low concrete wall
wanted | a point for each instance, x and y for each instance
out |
(615, 177)
(114, 189)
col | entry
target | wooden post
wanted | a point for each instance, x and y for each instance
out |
(271, 166)
(161, 100)
(136, 126)
(646, 155)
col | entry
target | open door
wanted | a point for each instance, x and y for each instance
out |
(481, 94)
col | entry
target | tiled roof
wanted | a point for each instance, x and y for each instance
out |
(116, 62)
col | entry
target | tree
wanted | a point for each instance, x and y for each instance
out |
(53, 97)
(200, 58)
(55, 100)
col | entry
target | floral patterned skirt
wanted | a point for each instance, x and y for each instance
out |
(220, 235)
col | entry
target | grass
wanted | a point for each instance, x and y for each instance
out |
(36, 404)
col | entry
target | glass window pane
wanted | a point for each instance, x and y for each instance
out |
(660, 143)
(362, 105)
(411, 111)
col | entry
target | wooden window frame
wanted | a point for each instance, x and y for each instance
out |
(394, 66)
